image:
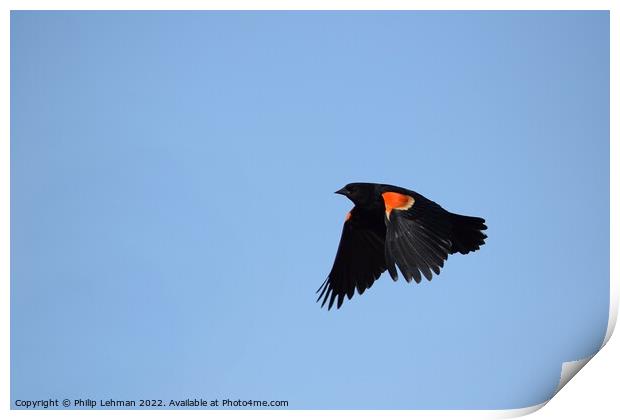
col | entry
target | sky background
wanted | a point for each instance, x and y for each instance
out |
(172, 206)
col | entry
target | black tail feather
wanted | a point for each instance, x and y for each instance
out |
(467, 235)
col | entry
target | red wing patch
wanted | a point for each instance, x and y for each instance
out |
(347, 217)
(396, 201)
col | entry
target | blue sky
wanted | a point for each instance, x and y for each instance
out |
(172, 206)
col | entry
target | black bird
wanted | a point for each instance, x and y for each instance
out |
(391, 226)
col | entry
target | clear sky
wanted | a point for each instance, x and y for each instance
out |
(172, 206)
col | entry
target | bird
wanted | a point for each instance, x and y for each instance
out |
(391, 227)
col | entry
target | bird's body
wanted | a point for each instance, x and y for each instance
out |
(393, 227)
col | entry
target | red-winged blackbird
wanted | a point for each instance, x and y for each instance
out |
(391, 226)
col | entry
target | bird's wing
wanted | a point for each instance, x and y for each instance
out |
(418, 235)
(360, 259)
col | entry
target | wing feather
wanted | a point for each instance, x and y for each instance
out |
(421, 235)
(359, 261)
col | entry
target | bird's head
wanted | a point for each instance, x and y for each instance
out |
(360, 193)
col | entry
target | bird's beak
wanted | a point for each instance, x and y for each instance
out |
(342, 191)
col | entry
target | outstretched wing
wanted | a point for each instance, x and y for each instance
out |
(360, 259)
(421, 234)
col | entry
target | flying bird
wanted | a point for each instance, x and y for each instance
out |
(391, 226)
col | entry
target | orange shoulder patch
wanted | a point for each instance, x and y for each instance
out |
(396, 201)
(347, 217)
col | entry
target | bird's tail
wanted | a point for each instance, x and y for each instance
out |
(467, 235)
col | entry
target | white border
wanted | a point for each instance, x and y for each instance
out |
(569, 368)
